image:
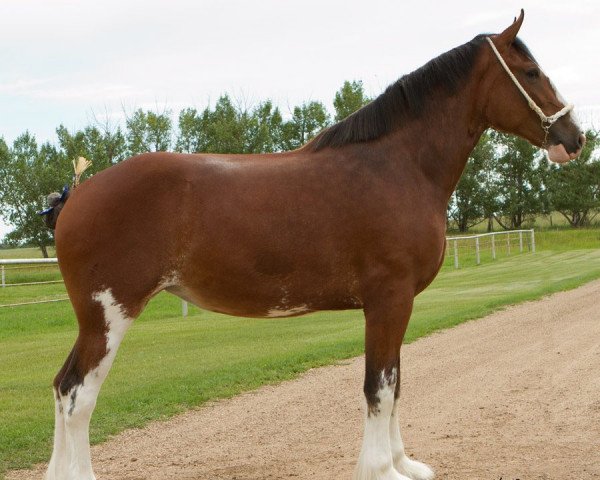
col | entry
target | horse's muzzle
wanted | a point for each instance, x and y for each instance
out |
(558, 153)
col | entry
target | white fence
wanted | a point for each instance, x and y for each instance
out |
(493, 243)
(469, 248)
(26, 263)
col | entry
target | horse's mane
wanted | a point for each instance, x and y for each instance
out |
(406, 98)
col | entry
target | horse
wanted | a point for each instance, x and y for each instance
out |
(354, 219)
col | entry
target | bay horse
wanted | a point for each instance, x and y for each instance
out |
(355, 219)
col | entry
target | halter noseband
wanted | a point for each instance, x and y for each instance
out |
(547, 121)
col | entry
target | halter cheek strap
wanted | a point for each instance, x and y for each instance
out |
(547, 121)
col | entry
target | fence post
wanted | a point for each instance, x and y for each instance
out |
(477, 250)
(508, 243)
(455, 254)
(493, 247)
(3, 277)
(532, 241)
(520, 242)
(184, 308)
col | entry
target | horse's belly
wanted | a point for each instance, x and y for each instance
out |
(259, 297)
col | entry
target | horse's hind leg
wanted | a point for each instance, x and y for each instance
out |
(58, 467)
(102, 325)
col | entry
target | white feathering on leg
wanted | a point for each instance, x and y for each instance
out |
(406, 466)
(375, 460)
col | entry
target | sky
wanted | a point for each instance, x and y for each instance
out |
(79, 62)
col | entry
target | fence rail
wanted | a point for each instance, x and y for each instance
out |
(470, 245)
(526, 238)
(33, 267)
(9, 265)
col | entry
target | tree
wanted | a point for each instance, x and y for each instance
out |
(222, 130)
(265, 129)
(519, 181)
(191, 131)
(573, 189)
(230, 129)
(106, 145)
(490, 191)
(103, 148)
(148, 132)
(27, 175)
(226, 127)
(307, 120)
(158, 131)
(136, 133)
(474, 197)
(349, 98)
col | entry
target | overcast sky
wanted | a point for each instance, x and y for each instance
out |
(73, 61)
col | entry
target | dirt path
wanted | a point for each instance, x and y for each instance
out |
(514, 396)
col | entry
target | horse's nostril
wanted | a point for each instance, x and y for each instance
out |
(581, 141)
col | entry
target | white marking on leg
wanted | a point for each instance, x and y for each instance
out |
(58, 466)
(375, 460)
(77, 424)
(396, 443)
(411, 468)
(78, 404)
(117, 324)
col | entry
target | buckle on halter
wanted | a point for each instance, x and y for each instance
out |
(546, 124)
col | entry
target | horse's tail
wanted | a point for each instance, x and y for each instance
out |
(56, 201)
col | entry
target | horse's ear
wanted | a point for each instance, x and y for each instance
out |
(508, 36)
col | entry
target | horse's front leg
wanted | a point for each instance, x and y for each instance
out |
(406, 466)
(387, 312)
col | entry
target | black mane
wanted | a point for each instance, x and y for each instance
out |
(406, 98)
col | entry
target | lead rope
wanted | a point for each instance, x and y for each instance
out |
(547, 121)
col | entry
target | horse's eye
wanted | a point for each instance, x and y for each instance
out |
(533, 74)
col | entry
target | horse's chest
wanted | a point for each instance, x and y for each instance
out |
(430, 259)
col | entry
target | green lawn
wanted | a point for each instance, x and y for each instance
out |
(167, 365)
(555, 220)
(556, 240)
(25, 252)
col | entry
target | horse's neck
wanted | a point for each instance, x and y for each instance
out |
(443, 140)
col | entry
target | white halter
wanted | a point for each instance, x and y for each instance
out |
(547, 121)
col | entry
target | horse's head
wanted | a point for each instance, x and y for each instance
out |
(522, 100)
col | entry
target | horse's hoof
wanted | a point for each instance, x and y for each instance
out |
(415, 470)
(376, 474)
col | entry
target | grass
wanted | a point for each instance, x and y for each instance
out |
(555, 220)
(28, 252)
(167, 365)
(556, 240)
(560, 240)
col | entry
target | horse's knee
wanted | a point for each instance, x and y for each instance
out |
(380, 390)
